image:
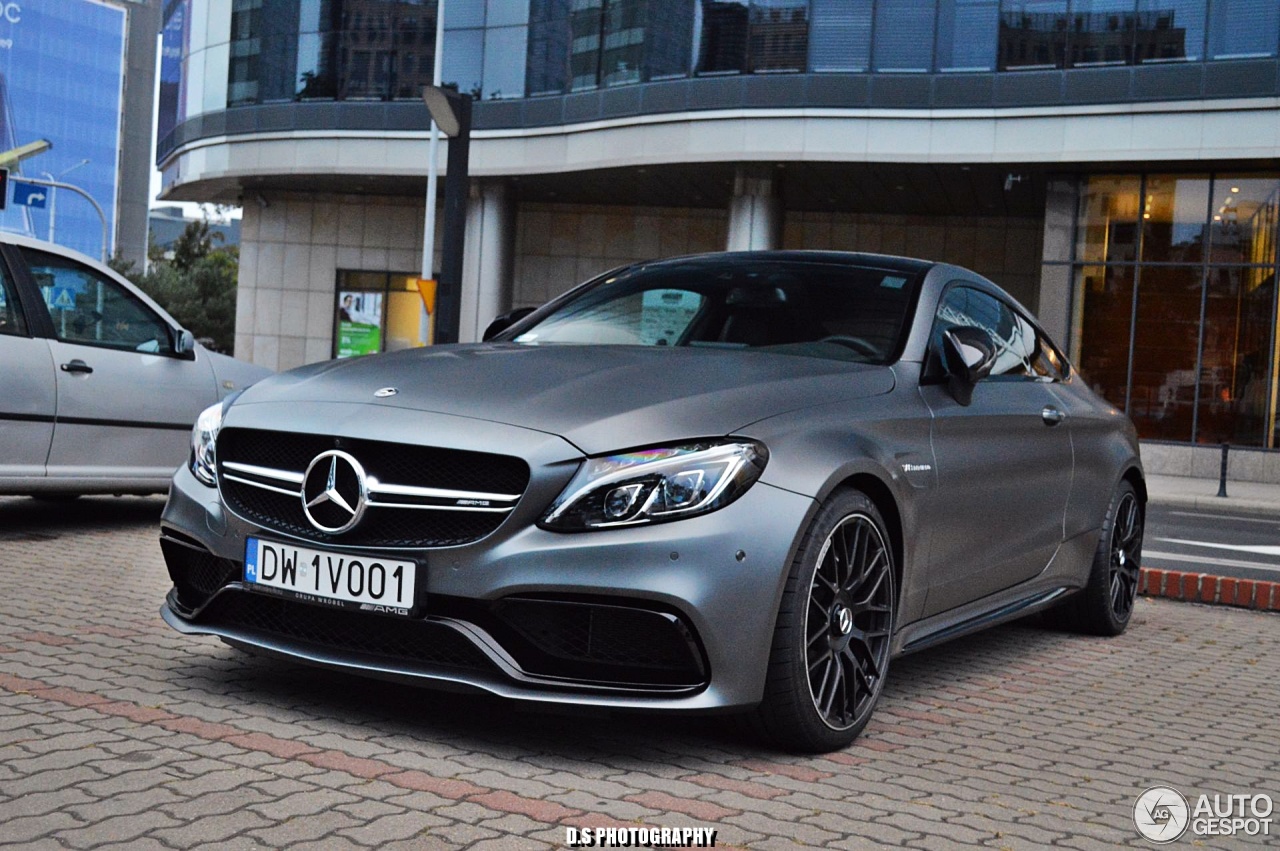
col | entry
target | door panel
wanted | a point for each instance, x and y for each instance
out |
(27, 405)
(125, 404)
(1004, 477)
(131, 416)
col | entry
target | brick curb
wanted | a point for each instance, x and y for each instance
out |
(1208, 588)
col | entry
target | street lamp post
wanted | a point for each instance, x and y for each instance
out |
(451, 112)
(102, 216)
(53, 194)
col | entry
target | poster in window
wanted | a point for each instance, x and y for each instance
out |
(359, 323)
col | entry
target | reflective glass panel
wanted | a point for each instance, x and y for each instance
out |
(1174, 217)
(840, 39)
(1243, 29)
(1107, 228)
(967, 32)
(1033, 34)
(722, 42)
(1169, 30)
(1166, 336)
(1245, 213)
(504, 61)
(464, 59)
(1102, 32)
(904, 35)
(1105, 299)
(585, 22)
(779, 38)
(1235, 372)
(546, 66)
(622, 51)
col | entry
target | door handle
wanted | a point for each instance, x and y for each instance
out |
(77, 365)
(1052, 416)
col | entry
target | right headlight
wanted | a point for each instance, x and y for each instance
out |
(656, 485)
(204, 438)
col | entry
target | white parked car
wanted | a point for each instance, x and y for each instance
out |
(99, 387)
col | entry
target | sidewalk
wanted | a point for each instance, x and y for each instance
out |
(1253, 499)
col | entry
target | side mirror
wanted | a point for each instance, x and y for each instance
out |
(505, 321)
(184, 344)
(969, 354)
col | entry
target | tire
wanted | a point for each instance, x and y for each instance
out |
(830, 652)
(1105, 605)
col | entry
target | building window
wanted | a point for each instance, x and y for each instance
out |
(967, 31)
(904, 35)
(1175, 302)
(1243, 29)
(1170, 30)
(753, 37)
(1033, 34)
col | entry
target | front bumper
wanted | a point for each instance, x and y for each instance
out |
(686, 610)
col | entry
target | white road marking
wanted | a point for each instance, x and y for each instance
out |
(1257, 549)
(1217, 562)
(1203, 516)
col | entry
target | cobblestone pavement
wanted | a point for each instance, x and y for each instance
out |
(114, 729)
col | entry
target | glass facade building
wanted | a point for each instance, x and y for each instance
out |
(62, 67)
(282, 50)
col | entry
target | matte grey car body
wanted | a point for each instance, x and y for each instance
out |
(100, 386)
(986, 511)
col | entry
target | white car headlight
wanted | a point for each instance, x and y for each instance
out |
(204, 437)
(655, 485)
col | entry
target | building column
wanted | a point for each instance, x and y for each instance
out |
(755, 211)
(489, 257)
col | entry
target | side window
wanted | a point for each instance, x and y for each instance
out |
(89, 308)
(11, 319)
(1020, 351)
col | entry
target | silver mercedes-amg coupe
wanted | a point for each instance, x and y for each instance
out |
(727, 482)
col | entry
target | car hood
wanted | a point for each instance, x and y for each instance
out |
(599, 398)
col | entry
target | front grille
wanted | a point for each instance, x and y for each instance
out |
(401, 639)
(401, 464)
(196, 572)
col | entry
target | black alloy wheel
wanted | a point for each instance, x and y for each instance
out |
(831, 644)
(1126, 555)
(1104, 605)
(848, 622)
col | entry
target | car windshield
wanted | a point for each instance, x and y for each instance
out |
(810, 308)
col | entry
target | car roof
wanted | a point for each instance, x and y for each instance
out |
(888, 262)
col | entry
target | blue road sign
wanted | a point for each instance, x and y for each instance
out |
(30, 194)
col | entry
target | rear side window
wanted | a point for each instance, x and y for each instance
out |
(89, 308)
(11, 319)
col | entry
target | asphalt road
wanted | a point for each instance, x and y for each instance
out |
(1220, 544)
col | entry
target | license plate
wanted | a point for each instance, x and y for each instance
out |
(343, 580)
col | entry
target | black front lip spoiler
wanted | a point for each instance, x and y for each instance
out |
(511, 681)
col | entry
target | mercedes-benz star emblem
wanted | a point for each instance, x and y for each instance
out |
(844, 620)
(335, 492)
(385, 392)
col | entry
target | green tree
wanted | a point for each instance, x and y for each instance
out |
(197, 285)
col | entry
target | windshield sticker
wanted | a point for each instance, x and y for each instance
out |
(665, 314)
(893, 282)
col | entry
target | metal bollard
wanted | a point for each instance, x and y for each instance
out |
(1222, 474)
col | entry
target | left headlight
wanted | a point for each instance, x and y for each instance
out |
(204, 438)
(655, 485)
